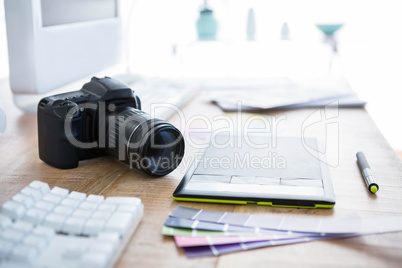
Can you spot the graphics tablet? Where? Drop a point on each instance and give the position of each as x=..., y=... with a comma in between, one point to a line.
x=285, y=171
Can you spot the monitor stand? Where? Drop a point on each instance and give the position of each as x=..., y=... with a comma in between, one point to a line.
x=28, y=103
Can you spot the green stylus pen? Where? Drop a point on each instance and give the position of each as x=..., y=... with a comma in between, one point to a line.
x=367, y=173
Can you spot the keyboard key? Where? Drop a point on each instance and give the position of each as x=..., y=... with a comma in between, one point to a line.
x=23, y=253
x=61, y=192
x=73, y=225
x=110, y=237
x=71, y=202
x=94, y=260
x=102, y=248
x=63, y=210
x=44, y=206
x=5, y=248
x=45, y=232
x=35, y=241
x=13, y=209
x=35, y=194
x=119, y=222
x=88, y=205
x=34, y=215
x=77, y=196
x=123, y=200
x=74, y=251
x=5, y=222
x=55, y=221
x=101, y=214
x=107, y=207
x=23, y=200
x=11, y=235
x=127, y=208
x=41, y=186
x=82, y=213
x=22, y=226
x=51, y=198
x=95, y=198
x=93, y=226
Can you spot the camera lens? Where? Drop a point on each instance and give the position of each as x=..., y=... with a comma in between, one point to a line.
x=148, y=144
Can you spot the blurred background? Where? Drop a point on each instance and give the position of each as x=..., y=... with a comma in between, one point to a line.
x=160, y=40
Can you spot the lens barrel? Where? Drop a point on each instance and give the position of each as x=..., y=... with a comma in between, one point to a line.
x=150, y=145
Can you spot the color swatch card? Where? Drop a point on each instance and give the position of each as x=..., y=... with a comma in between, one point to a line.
x=185, y=241
x=303, y=225
x=206, y=233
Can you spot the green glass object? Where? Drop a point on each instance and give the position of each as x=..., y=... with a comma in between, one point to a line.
x=329, y=29
x=207, y=25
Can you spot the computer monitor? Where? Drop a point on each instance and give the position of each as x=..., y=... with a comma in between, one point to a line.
x=56, y=42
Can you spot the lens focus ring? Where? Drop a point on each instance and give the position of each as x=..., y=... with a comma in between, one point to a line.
x=151, y=145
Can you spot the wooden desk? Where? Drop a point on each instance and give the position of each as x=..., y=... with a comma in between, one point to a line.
x=20, y=164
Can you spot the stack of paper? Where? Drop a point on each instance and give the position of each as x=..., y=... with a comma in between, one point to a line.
x=208, y=233
x=284, y=94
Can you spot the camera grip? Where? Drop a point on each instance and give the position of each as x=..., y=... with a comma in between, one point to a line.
x=54, y=147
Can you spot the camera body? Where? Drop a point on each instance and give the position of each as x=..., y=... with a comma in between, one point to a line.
x=58, y=111
x=104, y=117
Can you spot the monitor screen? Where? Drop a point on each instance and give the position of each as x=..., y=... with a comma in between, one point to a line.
x=55, y=12
x=52, y=43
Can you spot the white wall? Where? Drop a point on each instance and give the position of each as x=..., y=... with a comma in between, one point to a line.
x=370, y=42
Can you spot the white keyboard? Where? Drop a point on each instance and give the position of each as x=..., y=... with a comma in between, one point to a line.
x=165, y=96
x=40, y=227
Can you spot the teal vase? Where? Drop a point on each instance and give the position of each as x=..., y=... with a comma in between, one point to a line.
x=207, y=25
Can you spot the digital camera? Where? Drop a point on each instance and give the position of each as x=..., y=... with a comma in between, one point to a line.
x=105, y=117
